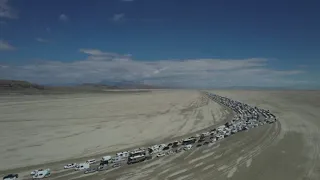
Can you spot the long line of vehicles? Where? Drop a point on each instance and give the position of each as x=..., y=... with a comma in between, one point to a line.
x=246, y=117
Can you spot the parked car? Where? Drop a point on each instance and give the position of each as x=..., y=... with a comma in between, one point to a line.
x=69, y=166
x=11, y=177
x=42, y=174
x=116, y=165
x=35, y=172
x=187, y=147
x=90, y=170
x=102, y=167
x=179, y=150
x=82, y=166
x=91, y=161
x=161, y=154
x=170, y=152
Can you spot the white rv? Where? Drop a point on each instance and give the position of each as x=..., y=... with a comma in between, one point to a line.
x=82, y=166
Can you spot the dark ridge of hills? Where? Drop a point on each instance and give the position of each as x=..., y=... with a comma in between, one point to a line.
x=17, y=85
x=28, y=88
x=123, y=84
x=97, y=86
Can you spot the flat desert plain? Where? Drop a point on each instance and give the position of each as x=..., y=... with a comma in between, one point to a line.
x=64, y=128
x=38, y=129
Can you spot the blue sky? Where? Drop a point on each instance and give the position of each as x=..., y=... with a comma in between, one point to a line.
x=187, y=43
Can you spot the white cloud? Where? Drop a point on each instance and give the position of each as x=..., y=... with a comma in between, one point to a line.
x=42, y=40
x=202, y=73
x=5, y=46
x=118, y=17
x=63, y=18
x=6, y=11
x=95, y=54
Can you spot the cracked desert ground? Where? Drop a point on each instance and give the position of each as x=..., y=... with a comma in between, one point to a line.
x=52, y=130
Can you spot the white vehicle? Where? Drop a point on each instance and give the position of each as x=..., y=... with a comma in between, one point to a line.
x=220, y=128
x=161, y=154
x=219, y=137
x=42, y=174
x=69, y=166
x=106, y=158
x=233, y=131
x=123, y=154
x=187, y=147
x=91, y=161
x=117, y=159
x=170, y=152
x=82, y=166
x=35, y=172
x=205, y=134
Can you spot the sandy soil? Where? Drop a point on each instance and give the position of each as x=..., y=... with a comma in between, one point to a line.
x=38, y=129
x=286, y=150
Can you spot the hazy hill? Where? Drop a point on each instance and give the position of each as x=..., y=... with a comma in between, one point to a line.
x=25, y=87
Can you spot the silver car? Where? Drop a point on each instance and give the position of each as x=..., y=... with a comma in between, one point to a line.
x=90, y=170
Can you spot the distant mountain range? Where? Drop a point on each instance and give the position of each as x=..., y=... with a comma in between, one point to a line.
x=25, y=86
x=17, y=85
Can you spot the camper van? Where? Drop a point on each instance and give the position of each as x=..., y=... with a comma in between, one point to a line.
x=105, y=160
x=82, y=166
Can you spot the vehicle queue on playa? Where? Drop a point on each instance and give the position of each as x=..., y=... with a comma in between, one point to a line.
x=246, y=117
